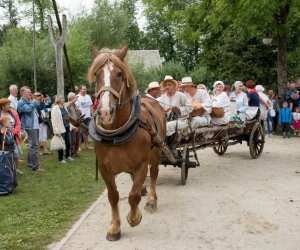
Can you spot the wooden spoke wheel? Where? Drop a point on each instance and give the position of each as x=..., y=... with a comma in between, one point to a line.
x=220, y=150
x=184, y=165
x=256, y=141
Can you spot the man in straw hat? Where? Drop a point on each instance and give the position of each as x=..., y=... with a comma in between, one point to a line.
x=174, y=101
x=153, y=90
x=200, y=100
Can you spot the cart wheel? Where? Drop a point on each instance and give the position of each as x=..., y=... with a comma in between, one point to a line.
x=220, y=150
x=256, y=141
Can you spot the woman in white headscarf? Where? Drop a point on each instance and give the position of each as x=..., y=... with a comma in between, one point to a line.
x=239, y=97
x=221, y=100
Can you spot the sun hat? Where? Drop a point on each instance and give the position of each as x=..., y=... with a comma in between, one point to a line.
x=152, y=85
x=219, y=82
x=186, y=81
x=237, y=83
x=169, y=79
x=259, y=88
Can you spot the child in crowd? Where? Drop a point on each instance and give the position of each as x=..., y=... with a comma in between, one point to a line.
x=6, y=135
x=296, y=121
x=285, y=119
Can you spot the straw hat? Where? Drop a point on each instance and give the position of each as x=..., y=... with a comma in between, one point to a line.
x=169, y=79
x=187, y=81
x=152, y=85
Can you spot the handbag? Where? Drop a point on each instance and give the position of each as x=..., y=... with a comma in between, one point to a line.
x=57, y=143
x=217, y=112
x=272, y=113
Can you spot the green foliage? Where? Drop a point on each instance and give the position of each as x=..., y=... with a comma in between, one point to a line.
x=45, y=205
x=79, y=46
x=16, y=61
x=144, y=77
x=108, y=24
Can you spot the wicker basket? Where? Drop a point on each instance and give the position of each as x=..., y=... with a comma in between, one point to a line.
x=197, y=112
x=217, y=112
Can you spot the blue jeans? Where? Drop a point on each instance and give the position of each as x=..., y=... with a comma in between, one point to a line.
x=33, y=150
x=66, y=137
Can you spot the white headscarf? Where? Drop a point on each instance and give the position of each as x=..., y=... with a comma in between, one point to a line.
x=219, y=82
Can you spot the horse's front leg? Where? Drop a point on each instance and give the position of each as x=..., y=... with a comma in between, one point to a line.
x=151, y=204
x=114, y=230
x=134, y=216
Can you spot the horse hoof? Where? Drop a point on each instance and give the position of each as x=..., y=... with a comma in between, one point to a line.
x=134, y=223
x=151, y=206
x=113, y=237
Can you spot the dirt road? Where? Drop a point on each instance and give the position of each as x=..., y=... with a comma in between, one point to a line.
x=229, y=202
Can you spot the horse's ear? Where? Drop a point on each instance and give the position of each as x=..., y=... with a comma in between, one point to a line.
x=123, y=52
x=95, y=51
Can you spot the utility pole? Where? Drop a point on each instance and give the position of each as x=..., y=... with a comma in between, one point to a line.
x=33, y=48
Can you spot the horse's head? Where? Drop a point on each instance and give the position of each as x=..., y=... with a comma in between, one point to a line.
x=115, y=84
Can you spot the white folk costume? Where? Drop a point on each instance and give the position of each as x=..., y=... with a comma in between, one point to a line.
x=263, y=102
x=221, y=100
x=201, y=97
x=184, y=104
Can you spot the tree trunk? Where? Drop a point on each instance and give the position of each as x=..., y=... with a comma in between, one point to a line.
x=282, y=65
x=58, y=45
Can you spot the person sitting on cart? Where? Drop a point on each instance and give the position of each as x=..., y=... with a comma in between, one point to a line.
x=200, y=101
x=220, y=100
x=238, y=99
x=253, y=110
x=176, y=104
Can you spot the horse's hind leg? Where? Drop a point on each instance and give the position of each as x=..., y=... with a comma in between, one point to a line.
x=134, y=216
x=151, y=204
x=114, y=230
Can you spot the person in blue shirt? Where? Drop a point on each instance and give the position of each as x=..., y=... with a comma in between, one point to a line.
x=285, y=119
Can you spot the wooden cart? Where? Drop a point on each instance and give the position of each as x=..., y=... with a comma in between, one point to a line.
x=187, y=141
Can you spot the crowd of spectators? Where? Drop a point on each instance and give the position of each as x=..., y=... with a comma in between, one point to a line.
x=34, y=117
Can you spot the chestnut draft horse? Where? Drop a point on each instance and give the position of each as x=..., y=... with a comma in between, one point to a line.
x=124, y=129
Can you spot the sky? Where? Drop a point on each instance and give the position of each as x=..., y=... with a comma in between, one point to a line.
x=75, y=6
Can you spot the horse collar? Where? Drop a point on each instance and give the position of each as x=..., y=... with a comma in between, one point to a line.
x=120, y=135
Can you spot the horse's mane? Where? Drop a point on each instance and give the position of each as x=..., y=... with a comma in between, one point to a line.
x=105, y=56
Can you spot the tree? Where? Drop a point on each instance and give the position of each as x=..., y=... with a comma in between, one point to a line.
x=133, y=36
x=276, y=16
x=10, y=12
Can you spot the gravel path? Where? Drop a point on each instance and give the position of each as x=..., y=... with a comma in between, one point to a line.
x=229, y=202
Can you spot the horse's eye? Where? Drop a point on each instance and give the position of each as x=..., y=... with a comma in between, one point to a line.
x=119, y=74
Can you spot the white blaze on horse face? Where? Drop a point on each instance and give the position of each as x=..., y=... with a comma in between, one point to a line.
x=105, y=114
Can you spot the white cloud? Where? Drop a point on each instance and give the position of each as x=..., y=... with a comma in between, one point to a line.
x=75, y=6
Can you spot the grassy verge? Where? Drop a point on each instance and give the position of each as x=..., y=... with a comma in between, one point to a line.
x=46, y=204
